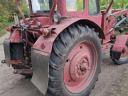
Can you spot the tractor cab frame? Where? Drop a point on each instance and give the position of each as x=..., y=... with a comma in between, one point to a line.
x=65, y=8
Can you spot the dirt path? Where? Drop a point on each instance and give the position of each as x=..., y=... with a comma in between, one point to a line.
x=113, y=81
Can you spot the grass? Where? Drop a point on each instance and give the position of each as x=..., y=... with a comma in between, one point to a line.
x=2, y=32
x=3, y=26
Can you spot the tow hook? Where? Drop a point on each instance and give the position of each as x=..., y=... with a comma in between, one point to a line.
x=3, y=61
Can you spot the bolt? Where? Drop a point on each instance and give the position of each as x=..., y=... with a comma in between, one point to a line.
x=81, y=47
x=42, y=46
x=82, y=67
x=15, y=71
x=67, y=60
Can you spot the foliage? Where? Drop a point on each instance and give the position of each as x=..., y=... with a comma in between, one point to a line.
x=80, y=5
x=24, y=7
x=118, y=4
x=7, y=9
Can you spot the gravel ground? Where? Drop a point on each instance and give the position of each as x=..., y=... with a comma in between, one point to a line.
x=113, y=80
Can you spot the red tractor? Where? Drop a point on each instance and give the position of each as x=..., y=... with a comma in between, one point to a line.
x=61, y=44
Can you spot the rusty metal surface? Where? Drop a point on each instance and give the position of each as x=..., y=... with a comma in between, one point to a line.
x=14, y=62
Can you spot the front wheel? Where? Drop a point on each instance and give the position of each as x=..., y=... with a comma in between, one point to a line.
x=75, y=61
x=119, y=58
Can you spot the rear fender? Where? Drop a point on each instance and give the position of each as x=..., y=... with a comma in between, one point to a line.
x=45, y=44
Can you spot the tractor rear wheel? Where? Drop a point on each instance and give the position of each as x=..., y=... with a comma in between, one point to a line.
x=74, y=63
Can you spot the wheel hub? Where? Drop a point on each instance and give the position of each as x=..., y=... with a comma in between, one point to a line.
x=79, y=66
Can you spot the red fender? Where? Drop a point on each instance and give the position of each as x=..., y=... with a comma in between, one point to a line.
x=45, y=44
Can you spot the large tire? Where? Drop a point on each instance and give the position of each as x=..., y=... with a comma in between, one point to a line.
x=117, y=58
x=62, y=47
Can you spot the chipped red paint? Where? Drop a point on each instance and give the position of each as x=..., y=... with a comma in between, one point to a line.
x=15, y=62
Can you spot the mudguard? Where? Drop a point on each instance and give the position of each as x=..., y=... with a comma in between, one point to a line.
x=40, y=70
x=58, y=28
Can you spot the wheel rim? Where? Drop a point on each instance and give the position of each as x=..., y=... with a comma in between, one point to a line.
x=80, y=67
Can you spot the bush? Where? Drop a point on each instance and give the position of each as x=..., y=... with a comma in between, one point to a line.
x=118, y=4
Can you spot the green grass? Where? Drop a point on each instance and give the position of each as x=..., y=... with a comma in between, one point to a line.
x=2, y=32
x=3, y=26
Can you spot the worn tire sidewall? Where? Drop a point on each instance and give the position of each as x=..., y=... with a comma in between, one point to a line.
x=92, y=37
